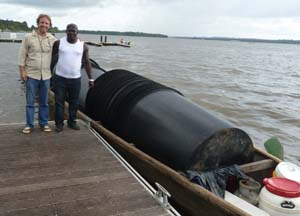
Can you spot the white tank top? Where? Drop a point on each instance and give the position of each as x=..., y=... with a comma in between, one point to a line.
x=69, y=58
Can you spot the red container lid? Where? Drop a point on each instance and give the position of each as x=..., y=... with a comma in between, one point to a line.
x=282, y=187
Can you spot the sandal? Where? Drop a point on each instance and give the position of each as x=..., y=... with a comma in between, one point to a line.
x=46, y=128
x=27, y=130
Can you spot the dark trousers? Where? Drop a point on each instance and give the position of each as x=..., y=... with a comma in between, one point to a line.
x=69, y=89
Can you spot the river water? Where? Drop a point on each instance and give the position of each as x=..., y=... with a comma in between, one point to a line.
x=256, y=86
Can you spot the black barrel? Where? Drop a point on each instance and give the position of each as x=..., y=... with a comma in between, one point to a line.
x=164, y=124
x=184, y=135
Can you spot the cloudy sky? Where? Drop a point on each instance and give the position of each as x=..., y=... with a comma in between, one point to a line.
x=270, y=19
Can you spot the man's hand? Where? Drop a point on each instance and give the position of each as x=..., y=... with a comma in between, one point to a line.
x=91, y=83
x=23, y=74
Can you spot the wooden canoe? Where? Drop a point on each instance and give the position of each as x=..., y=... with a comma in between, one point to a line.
x=187, y=197
x=190, y=198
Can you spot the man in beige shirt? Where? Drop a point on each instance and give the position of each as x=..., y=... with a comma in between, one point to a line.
x=34, y=65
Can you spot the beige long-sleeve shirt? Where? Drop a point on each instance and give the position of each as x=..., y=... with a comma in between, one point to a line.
x=35, y=55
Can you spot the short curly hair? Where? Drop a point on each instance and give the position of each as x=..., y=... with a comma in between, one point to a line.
x=41, y=16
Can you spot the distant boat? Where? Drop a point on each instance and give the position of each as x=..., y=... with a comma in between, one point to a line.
x=93, y=43
x=116, y=44
x=108, y=44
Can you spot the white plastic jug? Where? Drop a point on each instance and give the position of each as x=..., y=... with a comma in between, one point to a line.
x=288, y=170
x=280, y=197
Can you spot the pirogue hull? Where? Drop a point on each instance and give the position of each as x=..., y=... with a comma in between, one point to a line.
x=189, y=198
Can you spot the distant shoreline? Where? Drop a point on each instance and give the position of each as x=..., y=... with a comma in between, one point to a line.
x=111, y=33
x=249, y=40
x=16, y=27
x=135, y=34
x=140, y=34
x=22, y=27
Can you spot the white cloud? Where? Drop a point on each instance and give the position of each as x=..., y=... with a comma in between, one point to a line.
x=53, y=4
x=231, y=18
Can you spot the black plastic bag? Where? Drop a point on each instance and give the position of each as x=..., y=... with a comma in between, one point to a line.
x=215, y=180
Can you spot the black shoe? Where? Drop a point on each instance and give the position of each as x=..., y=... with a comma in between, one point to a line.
x=58, y=129
x=74, y=126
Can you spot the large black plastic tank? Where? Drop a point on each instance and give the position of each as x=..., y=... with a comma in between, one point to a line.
x=164, y=124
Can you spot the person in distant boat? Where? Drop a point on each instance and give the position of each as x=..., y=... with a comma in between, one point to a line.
x=122, y=41
x=34, y=66
x=67, y=79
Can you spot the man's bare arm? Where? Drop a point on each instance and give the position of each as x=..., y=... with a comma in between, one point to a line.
x=87, y=65
x=54, y=54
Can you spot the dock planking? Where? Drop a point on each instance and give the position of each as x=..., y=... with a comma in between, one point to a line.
x=68, y=173
x=10, y=40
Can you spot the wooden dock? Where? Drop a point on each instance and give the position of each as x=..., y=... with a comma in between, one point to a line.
x=107, y=44
x=68, y=173
x=10, y=40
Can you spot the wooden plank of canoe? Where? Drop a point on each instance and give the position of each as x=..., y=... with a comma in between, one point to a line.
x=258, y=165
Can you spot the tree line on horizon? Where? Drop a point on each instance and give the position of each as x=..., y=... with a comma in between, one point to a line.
x=249, y=40
x=15, y=26
x=256, y=40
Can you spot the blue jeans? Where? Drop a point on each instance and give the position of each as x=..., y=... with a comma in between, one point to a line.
x=69, y=89
x=32, y=85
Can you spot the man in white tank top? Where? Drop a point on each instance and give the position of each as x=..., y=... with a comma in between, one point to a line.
x=67, y=80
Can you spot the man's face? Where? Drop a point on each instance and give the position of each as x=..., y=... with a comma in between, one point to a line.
x=72, y=32
x=44, y=25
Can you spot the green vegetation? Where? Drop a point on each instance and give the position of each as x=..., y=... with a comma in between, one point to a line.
x=137, y=34
x=244, y=40
x=8, y=25
x=14, y=26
